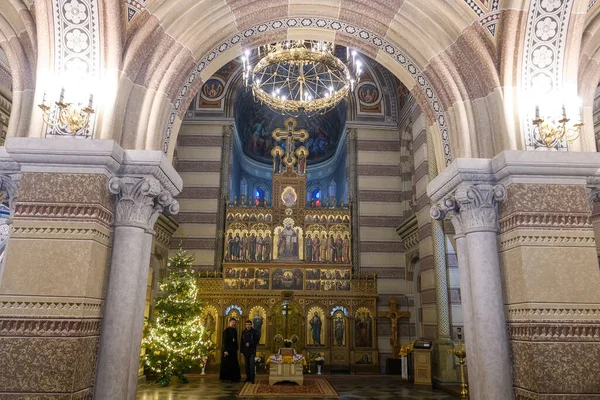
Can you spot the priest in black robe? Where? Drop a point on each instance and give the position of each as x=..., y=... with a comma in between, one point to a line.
x=230, y=367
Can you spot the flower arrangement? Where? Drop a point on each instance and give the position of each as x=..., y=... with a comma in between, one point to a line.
x=287, y=343
x=319, y=360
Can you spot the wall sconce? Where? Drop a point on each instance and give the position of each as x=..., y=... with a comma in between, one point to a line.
x=67, y=118
x=549, y=133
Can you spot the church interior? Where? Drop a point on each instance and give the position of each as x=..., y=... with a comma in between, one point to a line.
x=402, y=196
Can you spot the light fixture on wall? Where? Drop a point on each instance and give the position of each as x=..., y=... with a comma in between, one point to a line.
x=67, y=118
x=301, y=76
x=552, y=130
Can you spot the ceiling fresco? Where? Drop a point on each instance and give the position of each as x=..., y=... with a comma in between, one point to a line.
x=254, y=123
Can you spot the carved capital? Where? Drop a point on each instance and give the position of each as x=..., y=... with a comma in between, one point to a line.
x=9, y=190
x=593, y=184
x=227, y=130
x=352, y=133
x=473, y=207
x=139, y=201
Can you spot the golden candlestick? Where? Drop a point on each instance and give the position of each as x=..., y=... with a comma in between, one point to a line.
x=461, y=354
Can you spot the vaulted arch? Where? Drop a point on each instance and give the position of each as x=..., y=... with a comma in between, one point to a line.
x=439, y=51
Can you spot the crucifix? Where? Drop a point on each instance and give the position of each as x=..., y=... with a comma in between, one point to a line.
x=394, y=314
x=290, y=136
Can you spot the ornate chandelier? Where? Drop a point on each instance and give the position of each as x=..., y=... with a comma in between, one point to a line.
x=302, y=76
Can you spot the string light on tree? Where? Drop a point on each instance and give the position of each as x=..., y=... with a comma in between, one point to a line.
x=177, y=341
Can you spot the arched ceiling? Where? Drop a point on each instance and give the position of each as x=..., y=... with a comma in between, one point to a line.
x=254, y=123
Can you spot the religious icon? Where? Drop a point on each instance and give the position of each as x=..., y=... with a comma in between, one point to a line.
x=267, y=248
x=338, y=248
x=277, y=154
x=316, y=249
x=287, y=279
x=288, y=241
x=288, y=196
x=315, y=327
x=252, y=248
x=346, y=249
x=364, y=331
x=243, y=247
x=229, y=248
x=339, y=328
x=259, y=248
x=257, y=324
x=302, y=154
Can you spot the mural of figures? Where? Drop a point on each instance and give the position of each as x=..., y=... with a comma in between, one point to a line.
x=316, y=326
x=246, y=278
x=242, y=245
x=287, y=279
x=363, y=328
x=339, y=328
x=255, y=122
x=258, y=316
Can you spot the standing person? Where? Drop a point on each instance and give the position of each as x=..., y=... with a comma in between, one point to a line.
x=230, y=367
x=250, y=339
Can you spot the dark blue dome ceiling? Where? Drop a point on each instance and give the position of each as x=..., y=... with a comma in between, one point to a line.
x=255, y=122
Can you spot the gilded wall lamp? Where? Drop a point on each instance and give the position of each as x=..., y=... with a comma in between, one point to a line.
x=67, y=118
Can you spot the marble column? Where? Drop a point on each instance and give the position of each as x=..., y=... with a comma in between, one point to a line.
x=352, y=151
x=138, y=202
x=226, y=151
x=54, y=276
x=467, y=312
x=475, y=214
x=9, y=180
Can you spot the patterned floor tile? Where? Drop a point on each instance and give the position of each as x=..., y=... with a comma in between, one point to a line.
x=350, y=387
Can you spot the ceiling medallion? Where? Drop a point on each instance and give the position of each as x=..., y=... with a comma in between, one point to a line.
x=300, y=76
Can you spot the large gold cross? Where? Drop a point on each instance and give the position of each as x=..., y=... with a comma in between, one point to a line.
x=290, y=136
x=394, y=314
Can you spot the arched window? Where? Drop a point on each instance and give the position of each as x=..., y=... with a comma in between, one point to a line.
x=243, y=187
x=259, y=196
x=316, y=196
x=332, y=190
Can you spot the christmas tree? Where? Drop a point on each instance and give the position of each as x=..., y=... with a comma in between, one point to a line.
x=176, y=340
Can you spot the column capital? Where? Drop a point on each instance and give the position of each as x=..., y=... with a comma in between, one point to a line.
x=593, y=185
x=139, y=201
x=473, y=207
